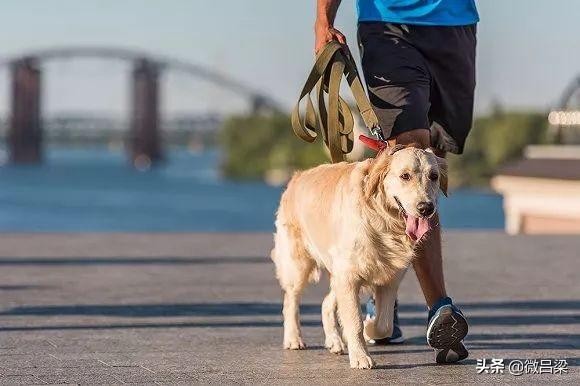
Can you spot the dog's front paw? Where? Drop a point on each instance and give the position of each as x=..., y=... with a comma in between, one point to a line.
x=294, y=343
x=361, y=360
x=334, y=344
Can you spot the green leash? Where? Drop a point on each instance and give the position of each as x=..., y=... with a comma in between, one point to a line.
x=335, y=122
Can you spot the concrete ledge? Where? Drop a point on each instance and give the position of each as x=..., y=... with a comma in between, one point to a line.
x=536, y=205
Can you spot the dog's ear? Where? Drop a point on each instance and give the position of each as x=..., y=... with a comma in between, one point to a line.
x=376, y=174
x=396, y=148
x=443, y=175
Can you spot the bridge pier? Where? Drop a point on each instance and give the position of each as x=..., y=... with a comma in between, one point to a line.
x=145, y=136
x=25, y=132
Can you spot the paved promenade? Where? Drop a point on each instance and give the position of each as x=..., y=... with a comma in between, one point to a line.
x=195, y=308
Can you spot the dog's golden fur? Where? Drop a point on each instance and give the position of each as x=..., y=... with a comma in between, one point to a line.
x=344, y=218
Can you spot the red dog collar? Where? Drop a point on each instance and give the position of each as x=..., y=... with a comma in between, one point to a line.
x=373, y=144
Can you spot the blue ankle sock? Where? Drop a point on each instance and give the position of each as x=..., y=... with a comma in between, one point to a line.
x=438, y=304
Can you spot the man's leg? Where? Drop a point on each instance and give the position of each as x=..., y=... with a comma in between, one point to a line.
x=428, y=264
x=400, y=84
x=446, y=325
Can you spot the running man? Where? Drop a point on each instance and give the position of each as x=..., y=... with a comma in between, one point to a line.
x=418, y=59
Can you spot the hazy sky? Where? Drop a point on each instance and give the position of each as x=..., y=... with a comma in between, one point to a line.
x=528, y=51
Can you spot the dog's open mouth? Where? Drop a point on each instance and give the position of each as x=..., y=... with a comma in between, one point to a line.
x=415, y=227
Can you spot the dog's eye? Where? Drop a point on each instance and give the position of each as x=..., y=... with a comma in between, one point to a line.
x=405, y=176
x=433, y=176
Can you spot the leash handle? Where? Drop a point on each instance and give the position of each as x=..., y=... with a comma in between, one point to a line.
x=333, y=121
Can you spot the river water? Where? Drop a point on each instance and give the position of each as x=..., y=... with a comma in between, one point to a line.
x=83, y=190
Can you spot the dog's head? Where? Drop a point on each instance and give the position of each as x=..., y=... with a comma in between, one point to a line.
x=408, y=178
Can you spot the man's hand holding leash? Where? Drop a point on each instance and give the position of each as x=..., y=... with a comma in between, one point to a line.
x=324, y=30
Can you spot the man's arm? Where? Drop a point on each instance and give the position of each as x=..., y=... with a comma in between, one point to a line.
x=324, y=30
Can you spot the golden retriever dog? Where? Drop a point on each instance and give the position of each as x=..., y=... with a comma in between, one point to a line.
x=361, y=222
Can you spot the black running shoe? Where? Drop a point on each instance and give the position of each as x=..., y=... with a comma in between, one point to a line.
x=445, y=332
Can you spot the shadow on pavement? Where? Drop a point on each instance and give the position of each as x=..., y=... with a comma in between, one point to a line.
x=22, y=287
x=261, y=311
x=67, y=261
x=466, y=362
x=516, y=341
x=274, y=308
x=523, y=341
x=266, y=308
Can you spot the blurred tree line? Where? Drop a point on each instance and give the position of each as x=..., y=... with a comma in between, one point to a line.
x=495, y=140
x=256, y=145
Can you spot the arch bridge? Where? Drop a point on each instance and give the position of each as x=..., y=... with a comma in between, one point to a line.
x=25, y=126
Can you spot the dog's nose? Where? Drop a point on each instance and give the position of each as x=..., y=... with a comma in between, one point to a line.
x=425, y=208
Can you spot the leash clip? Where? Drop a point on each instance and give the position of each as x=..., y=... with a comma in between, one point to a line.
x=374, y=144
x=377, y=132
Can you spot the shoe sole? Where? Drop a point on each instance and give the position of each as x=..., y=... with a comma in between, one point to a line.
x=387, y=341
x=398, y=340
x=452, y=354
x=447, y=329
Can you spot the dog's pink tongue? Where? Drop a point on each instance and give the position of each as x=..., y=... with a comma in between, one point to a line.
x=416, y=227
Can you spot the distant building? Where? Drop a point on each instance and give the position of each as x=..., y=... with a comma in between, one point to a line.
x=542, y=191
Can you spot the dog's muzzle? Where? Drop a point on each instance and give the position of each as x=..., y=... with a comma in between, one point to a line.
x=415, y=227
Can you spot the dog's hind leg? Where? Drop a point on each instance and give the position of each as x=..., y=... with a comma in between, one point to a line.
x=294, y=268
x=333, y=341
x=291, y=311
